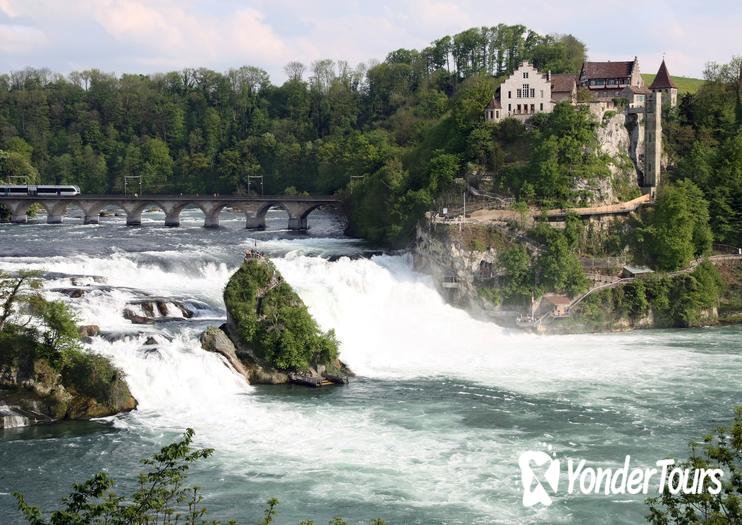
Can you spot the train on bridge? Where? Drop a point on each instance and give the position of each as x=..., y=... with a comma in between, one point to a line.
x=17, y=190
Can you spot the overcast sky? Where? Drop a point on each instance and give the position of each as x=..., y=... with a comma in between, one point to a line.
x=162, y=35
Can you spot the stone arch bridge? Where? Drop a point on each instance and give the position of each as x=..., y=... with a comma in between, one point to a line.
x=254, y=207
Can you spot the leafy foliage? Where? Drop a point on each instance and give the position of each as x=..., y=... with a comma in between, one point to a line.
x=677, y=230
x=722, y=449
x=32, y=328
x=199, y=131
x=162, y=496
x=516, y=266
x=704, y=138
x=676, y=301
x=272, y=320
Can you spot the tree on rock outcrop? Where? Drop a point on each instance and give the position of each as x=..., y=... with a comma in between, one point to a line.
x=271, y=320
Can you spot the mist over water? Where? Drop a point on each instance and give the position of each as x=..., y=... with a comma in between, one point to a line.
x=430, y=431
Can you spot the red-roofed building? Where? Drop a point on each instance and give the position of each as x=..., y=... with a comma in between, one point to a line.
x=606, y=80
x=663, y=84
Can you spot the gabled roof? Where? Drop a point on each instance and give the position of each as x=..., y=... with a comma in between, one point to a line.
x=562, y=82
x=494, y=104
x=607, y=69
x=662, y=80
x=637, y=270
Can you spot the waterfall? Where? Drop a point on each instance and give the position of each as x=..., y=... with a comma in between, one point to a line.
x=12, y=419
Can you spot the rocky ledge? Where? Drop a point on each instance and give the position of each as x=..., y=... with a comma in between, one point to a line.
x=32, y=391
x=150, y=310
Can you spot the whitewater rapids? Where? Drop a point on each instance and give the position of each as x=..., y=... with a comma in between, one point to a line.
x=443, y=404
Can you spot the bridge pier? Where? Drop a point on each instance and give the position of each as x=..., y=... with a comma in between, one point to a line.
x=255, y=222
x=52, y=218
x=17, y=211
x=298, y=223
x=134, y=218
x=211, y=213
x=211, y=221
x=91, y=219
x=298, y=213
x=172, y=219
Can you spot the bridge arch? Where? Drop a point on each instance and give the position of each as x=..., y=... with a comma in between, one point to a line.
x=172, y=217
x=95, y=210
x=297, y=211
x=255, y=213
x=211, y=211
x=19, y=209
x=255, y=208
x=134, y=212
x=59, y=209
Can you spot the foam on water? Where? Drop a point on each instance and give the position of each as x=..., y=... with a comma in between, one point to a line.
x=393, y=325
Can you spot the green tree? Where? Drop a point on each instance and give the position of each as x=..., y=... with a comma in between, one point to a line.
x=157, y=165
x=516, y=267
x=162, y=494
x=719, y=450
x=559, y=269
x=60, y=334
x=678, y=230
x=16, y=292
x=16, y=167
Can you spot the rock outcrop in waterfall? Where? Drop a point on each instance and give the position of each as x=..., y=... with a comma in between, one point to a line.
x=270, y=336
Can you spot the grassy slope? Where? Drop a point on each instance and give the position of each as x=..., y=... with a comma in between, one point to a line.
x=685, y=84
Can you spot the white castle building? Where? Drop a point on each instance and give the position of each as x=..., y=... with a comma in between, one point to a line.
x=527, y=91
x=524, y=93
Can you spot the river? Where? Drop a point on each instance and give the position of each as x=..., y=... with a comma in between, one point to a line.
x=429, y=432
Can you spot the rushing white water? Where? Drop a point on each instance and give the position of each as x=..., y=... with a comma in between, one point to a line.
x=11, y=419
x=444, y=403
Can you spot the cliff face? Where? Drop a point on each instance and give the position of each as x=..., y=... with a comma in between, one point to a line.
x=622, y=139
x=459, y=261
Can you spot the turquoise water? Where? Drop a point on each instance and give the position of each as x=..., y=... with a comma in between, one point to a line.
x=430, y=431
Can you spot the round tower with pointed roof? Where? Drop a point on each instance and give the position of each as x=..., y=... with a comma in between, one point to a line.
x=663, y=84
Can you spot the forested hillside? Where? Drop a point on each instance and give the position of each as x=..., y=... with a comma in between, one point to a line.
x=200, y=131
x=401, y=129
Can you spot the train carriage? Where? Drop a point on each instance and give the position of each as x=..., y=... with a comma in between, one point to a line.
x=21, y=190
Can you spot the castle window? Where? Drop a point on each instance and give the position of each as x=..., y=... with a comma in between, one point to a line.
x=519, y=93
x=525, y=90
x=510, y=94
x=509, y=108
x=525, y=74
x=533, y=108
x=518, y=110
x=497, y=114
x=542, y=106
x=533, y=93
x=542, y=93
